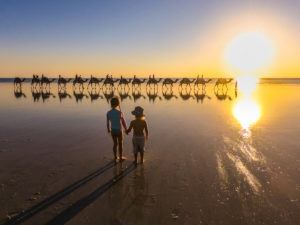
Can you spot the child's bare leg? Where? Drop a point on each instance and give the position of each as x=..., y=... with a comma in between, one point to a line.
x=120, y=143
x=135, y=158
x=142, y=156
x=115, y=146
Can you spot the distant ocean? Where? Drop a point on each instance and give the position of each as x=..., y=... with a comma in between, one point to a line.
x=261, y=81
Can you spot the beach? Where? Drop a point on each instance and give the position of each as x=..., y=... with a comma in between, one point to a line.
x=203, y=163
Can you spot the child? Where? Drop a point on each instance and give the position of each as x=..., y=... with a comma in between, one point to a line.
x=140, y=133
x=115, y=121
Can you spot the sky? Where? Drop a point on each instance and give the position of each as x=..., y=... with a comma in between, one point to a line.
x=163, y=37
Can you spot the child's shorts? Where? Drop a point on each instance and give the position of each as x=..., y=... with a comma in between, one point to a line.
x=138, y=144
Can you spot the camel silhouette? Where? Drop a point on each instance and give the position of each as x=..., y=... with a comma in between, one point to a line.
x=36, y=94
x=222, y=82
x=46, y=81
x=186, y=81
x=94, y=81
x=109, y=81
x=152, y=80
x=137, y=82
x=169, y=81
x=124, y=94
x=78, y=80
x=46, y=94
x=124, y=81
x=35, y=81
x=201, y=81
x=18, y=81
x=153, y=95
x=62, y=82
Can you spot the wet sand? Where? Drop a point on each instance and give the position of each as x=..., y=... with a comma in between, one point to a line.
x=201, y=167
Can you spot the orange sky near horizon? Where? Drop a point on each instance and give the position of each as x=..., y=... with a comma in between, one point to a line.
x=196, y=53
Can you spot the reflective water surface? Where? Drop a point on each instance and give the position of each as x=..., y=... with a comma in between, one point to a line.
x=214, y=156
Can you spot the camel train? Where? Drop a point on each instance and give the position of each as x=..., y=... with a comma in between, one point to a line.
x=108, y=81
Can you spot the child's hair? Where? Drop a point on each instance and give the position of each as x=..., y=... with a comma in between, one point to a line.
x=114, y=102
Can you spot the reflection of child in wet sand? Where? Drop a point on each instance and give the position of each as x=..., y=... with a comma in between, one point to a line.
x=115, y=121
x=140, y=133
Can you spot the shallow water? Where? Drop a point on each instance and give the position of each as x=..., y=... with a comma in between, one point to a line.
x=213, y=156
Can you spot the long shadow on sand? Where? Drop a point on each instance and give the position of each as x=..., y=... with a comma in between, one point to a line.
x=56, y=197
x=81, y=204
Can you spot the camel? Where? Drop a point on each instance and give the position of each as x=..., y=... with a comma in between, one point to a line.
x=186, y=81
x=152, y=80
x=201, y=81
x=62, y=94
x=124, y=81
x=124, y=95
x=95, y=81
x=201, y=95
x=169, y=81
x=35, y=80
x=78, y=80
x=222, y=82
x=109, y=81
x=46, y=81
x=62, y=82
x=18, y=81
x=137, y=81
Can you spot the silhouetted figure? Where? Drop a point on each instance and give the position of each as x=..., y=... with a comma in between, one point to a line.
x=169, y=81
x=136, y=82
x=185, y=94
x=201, y=95
x=124, y=81
x=62, y=94
x=221, y=94
x=78, y=81
x=79, y=95
x=18, y=81
x=36, y=93
x=124, y=94
x=109, y=81
x=136, y=94
x=18, y=92
x=46, y=81
x=201, y=81
x=168, y=94
x=153, y=81
x=95, y=82
x=95, y=94
x=222, y=82
x=62, y=82
x=35, y=81
x=153, y=94
x=46, y=94
x=186, y=82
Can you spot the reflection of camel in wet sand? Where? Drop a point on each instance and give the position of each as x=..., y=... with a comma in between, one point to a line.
x=109, y=81
x=46, y=81
x=186, y=94
x=35, y=81
x=46, y=94
x=169, y=81
x=222, y=82
x=62, y=94
x=62, y=82
x=137, y=81
x=201, y=81
x=108, y=94
x=152, y=95
x=79, y=95
x=95, y=94
x=18, y=81
x=36, y=94
x=222, y=95
x=168, y=94
x=124, y=95
x=124, y=81
x=186, y=81
x=94, y=81
x=201, y=95
x=136, y=94
x=79, y=81
x=18, y=92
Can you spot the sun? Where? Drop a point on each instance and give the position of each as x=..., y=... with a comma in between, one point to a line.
x=249, y=52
